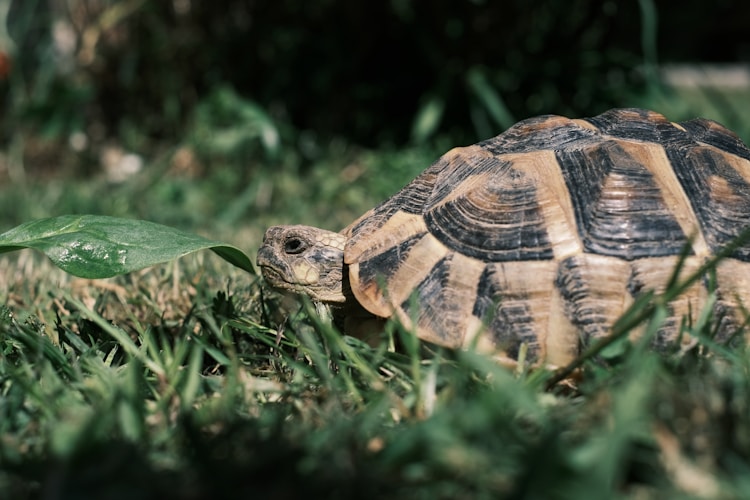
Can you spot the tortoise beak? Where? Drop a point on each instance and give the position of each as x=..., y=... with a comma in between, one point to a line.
x=269, y=263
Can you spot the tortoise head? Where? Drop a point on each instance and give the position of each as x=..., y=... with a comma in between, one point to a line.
x=304, y=260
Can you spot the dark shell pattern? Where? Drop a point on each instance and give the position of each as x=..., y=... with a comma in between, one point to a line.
x=545, y=234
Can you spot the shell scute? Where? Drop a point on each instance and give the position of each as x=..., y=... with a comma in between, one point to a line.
x=591, y=287
x=507, y=309
x=719, y=191
x=619, y=206
x=539, y=133
x=635, y=124
x=714, y=134
x=493, y=216
x=437, y=302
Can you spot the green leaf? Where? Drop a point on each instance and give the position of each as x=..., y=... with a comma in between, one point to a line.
x=94, y=246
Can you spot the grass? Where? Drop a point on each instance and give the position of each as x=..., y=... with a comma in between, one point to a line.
x=166, y=383
x=189, y=381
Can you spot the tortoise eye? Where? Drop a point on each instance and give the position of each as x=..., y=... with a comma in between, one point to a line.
x=294, y=246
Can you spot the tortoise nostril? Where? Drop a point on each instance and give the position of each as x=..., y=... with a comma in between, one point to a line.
x=294, y=246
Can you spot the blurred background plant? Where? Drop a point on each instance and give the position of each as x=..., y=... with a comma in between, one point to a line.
x=271, y=102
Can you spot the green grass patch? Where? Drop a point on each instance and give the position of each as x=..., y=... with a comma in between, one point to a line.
x=174, y=382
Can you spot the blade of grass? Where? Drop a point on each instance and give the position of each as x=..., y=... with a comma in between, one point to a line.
x=119, y=335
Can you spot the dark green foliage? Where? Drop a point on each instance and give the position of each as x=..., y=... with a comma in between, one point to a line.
x=371, y=72
x=323, y=66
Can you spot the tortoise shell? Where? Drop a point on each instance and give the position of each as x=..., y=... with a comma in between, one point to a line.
x=544, y=234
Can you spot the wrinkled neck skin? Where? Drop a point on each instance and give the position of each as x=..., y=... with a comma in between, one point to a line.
x=347, y=316
x=304, y=260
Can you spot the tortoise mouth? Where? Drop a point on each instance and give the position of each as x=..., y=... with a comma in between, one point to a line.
x=272, y=275
x=271, y=271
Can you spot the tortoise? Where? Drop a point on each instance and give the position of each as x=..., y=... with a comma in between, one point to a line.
x=541, y=236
